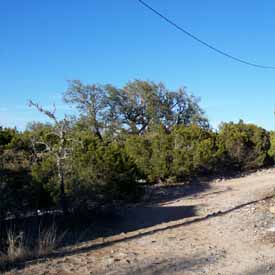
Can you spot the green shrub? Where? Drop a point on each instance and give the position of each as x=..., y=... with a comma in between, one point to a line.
x=16, y=193
x=186, y=151
x=162, y=155
x=194, y=151
x=243, y=146
x=139, y=148
x=101, y=172
x=44, y=178
x=271, y=151
x=152, y=153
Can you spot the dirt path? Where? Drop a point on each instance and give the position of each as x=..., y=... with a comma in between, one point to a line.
x=222, y=230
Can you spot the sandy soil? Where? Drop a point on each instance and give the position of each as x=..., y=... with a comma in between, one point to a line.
x=225, y=228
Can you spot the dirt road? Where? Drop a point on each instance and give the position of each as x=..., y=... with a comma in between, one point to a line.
x=226, y=228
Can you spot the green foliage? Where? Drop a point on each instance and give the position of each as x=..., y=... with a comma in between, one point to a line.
x=243, y=146
x=16, y=193
x=161, y=158
x=152, y=154
x=101, y=172
x=186, y=151
x=44, y=178
x=194, y=151
x=271, y=151
x=136, y=108
x=6, y=136
x=123, y=138
x=139, y=148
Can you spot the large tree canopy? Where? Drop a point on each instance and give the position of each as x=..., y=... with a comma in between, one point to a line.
x=135, y=108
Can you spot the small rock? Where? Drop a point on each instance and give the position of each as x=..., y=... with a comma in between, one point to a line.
x=272, y=209
x=272, y=229
x=110, y=261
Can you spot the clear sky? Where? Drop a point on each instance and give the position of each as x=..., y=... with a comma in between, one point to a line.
x=45, y=43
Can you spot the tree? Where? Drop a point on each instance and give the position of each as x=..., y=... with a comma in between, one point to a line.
x=142, y=105
x=58, y=144
x=90, y=100
x=136, y=108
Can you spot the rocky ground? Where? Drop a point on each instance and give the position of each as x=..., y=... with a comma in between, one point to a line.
x=223, y=227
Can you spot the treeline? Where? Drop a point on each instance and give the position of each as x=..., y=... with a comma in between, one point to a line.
x=121, y=140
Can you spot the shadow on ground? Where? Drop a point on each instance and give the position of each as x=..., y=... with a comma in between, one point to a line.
x=141, y=217
x=161, y=193
x=132, y=219
x=137, y=234
x=137, y=218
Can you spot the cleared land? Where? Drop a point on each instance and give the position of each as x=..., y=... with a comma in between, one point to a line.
x=225, y=228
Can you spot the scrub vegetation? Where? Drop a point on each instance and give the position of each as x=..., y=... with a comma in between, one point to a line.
x=121, y=140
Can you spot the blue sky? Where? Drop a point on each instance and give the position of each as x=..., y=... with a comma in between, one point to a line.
x=45, y=43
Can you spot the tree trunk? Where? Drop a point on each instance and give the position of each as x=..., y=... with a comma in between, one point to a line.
x=62, y=196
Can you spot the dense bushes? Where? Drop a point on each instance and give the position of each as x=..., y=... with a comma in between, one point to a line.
x=16, y=192
x=101, y=172
x=244, y=146
x=185, y=151
x=271, y=151
x=188, y=151
x=152, y=154
x=194, y=151
x=122, y=139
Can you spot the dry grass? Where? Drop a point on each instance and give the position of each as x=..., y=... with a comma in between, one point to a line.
x=48, y=240
x=17, y=246
x=21, y=246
